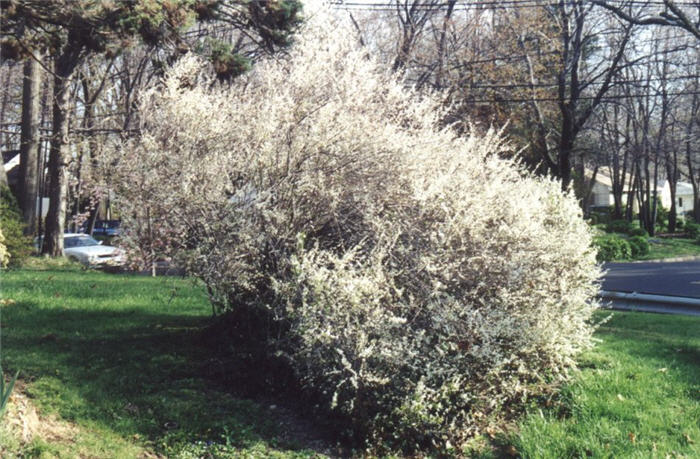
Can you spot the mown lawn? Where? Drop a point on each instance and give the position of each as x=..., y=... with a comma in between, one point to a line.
x=637, y=395
x=671, y=248
x=119, y=359
x=119, y=362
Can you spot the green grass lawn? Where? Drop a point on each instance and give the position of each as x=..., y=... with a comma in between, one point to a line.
x=121, y=361
x=637, y=395
x=671, y=248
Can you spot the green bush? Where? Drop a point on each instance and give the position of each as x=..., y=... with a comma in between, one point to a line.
x=692, y=230
x=612, y=248
x=638, y=232
x=619, y=226
x=18, y=245
x=661, y=214
x=639, y=245
x=600, y=215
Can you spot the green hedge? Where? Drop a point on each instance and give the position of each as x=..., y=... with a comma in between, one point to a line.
x=612, y=248
x=619, y=226
x=18, y=245
x=639, y=245
x=638, y=232
x=692, y=230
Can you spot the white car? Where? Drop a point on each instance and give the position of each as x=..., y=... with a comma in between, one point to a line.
x=88, y=251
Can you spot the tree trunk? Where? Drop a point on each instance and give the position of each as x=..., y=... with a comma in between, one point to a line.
x=59, y=152
x=631, y=196
x=3, y=108
x=28, y=167
x=655, y=199
x=3, y=174
x=566, y=148
x=88, y=125
x=672, y=214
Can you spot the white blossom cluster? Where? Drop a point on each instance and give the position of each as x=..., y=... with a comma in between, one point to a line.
x=417, y=281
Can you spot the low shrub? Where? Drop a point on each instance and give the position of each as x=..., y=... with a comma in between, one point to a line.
x=12, y=226
x=619, y=226
x=636, y=231
x=600, y=215
x=4, y=254
x=413, y=280
x=692, y=230
x=612, y=248
x=661, y=214
x=639, y=245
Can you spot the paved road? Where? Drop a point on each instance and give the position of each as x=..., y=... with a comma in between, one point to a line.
x=674, y=279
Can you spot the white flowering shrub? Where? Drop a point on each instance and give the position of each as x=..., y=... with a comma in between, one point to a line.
x=4, y=253
x=414, y=281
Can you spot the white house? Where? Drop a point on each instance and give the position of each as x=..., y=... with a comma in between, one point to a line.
x=684, y=196
x=601, y=193
x=12, y=171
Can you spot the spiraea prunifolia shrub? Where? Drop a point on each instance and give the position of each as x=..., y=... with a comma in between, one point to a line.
x=415, y=281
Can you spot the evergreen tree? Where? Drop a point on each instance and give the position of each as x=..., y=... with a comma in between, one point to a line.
x=72, y=30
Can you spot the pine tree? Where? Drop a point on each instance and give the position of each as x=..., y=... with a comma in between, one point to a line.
x=71, y=31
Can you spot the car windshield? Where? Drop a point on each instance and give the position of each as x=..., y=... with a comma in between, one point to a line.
x=79, y=241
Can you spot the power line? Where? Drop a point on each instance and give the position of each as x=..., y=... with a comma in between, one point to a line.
x=503, y=3
x=485, y=5
x=554, y=85
x=557, y=99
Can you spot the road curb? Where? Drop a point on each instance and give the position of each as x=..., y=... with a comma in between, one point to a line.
x=664, y=260
x=633, y=301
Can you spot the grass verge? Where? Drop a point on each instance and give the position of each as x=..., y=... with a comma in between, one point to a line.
x=671, y=248
x=115, y=363
x=637, y=395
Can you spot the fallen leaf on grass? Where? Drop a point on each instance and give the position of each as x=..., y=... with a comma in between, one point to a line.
x=662, y=370
x=511, y=451
x=491, y=432
x=633, y=437
x=688, y=439
x=620, y=397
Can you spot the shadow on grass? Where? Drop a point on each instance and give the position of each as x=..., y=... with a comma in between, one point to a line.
x=97, y=351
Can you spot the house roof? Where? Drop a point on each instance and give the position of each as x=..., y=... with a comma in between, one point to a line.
x=684, y=188
x=10, y=160
x=604, y=179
